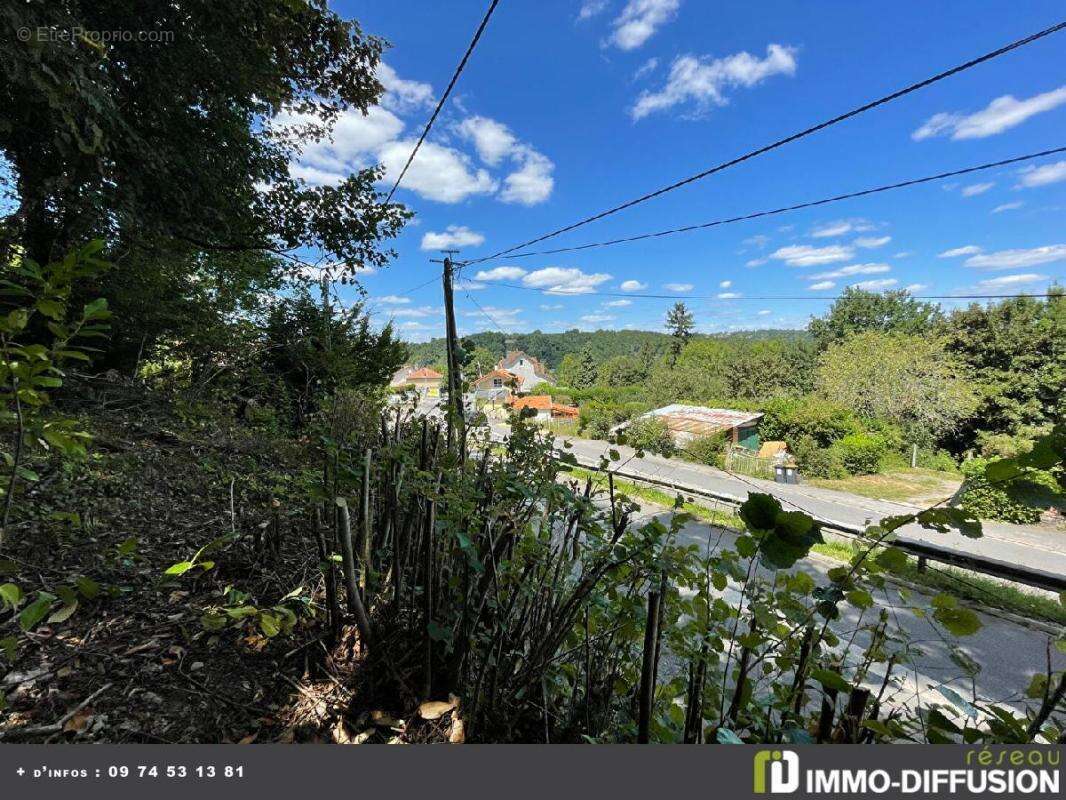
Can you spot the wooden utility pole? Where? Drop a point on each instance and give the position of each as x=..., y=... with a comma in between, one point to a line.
x=456, y=418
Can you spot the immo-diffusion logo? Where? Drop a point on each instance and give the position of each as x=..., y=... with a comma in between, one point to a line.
x=783, y=769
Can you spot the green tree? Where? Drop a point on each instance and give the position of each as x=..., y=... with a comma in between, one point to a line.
x=620, y=371
x=182, y=139
x=679, y=321
x=1016, y=349
x=584, y=375
x=905, y=379
x=858, y=310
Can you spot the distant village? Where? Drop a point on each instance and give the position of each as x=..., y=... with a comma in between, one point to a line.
x=520, y=381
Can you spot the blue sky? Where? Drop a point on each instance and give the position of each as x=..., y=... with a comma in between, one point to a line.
x=567, y=108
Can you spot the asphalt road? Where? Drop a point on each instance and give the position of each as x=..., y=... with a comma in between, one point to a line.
x=1037, y=549
x=1009, y=653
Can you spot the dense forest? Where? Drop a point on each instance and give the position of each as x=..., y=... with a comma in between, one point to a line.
x=218, y=526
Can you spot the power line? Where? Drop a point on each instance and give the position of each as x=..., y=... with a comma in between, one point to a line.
x=794, y=137
x=783, y=210
x=486, y=314
x=556, y=293
x=444, y=97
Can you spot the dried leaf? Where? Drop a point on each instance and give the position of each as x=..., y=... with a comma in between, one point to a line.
x=435, y=709
x=249, y=738
x=457, y=734
x=79, y=721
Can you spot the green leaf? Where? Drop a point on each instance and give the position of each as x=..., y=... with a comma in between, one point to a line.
x=9, y=646
x=64, y=613
x=180, y=568
x=760, y=511
x=831, y=680
x=128, y=547
x=268, y=623
x=438, y=633
x=860, y=598
x=11, y=595
x=213, y=621
x=87, y=586
x=36, y=611
x=960, y=621
x=891, y=559
x=1037, y=687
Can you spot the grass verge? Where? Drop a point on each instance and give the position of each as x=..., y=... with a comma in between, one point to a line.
x=912, y=485
x=964, y=585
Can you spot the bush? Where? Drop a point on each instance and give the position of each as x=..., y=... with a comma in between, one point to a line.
x=815, y=461
x=652, y=435
x=788, y=419
x=941, y=460
x=709, y=450
x=861, y=453
x=596, y=419
x=994, y=502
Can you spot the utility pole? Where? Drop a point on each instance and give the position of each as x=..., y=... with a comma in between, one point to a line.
x=456, y=418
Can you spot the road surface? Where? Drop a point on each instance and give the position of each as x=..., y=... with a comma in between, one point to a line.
x=1039, y=550
x=1009, y=653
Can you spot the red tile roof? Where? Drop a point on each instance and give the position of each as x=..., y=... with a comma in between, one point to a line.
x=541, y=402
x=425, y=374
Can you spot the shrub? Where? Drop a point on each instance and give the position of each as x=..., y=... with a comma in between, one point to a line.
x=861, y=453
x=816, y=461
x=596, y=418
x=940, y=460
x=788, y=419
x=650, y=434
x=709, y=450
x=988, y=501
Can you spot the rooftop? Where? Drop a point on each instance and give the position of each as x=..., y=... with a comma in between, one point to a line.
x=700, y=420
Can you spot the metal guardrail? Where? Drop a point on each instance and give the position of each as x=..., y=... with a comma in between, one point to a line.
x=1016, y=573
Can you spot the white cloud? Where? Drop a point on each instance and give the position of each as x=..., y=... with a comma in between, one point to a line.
x=417, y=313
x=1042, y=176
x=678, y=287
x=500, y=274
x=564, y=280
x=1007, y=207
x=915, y=287
x=803, y=255
x=965, y=250
x=764, y=312
x=454, y=236
x=633, y=286
x=590, y=8
x=854, y=269
x=639, y=20
x=494, y=317
x=755, y=262
x=1013, y=259
x=903, y=254
x=531, y=183
x=438, y=173
x=817, y=287
x=618, y=303
x=551, y=307
x=1011, y=280
x=392, y=299
x=728, y=295
x=468, y=286
x=975, y=189
x=758, y=240
x=840, y=227
x=350, y=147
x=725, y=284
x=705, y=81
x=646, y=68
x=873, y=286
x=1000, y=115
x=493, y=140
x=402, y=95
x=594, y=318
x=870, y=242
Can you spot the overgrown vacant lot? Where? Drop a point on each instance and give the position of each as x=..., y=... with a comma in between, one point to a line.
x=156, y=489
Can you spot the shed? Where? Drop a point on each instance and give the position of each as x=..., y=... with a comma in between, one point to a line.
x=686, y=423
